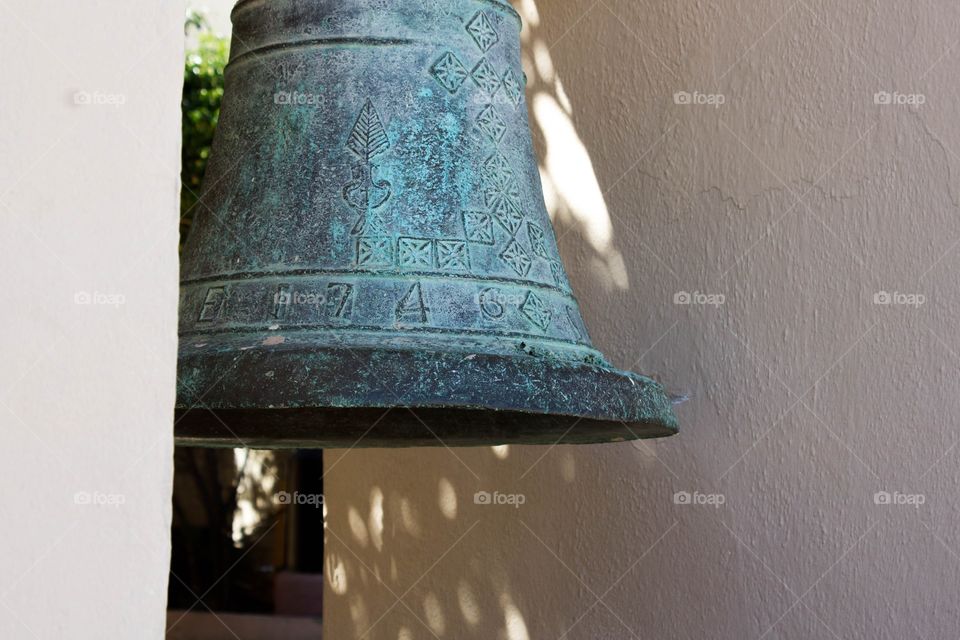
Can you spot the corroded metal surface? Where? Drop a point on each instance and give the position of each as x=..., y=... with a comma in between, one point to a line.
x=375, y=236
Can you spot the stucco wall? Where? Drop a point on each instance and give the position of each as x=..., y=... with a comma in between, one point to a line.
x=89, y=180
x=783, y=212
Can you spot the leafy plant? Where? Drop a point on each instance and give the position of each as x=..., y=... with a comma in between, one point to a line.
x=202, y=95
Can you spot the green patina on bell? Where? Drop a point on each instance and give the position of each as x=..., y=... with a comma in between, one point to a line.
x=373, y=264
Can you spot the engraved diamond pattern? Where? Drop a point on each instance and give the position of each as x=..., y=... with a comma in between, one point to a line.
x=517, y=258
x=559, y=277
x=485, y=77
x=536, y=311
x=453, y=255
x=490, y=122
x=449, y=72
x=413, y=253
x=501, y=193
x=497, y=170
x=493, y=193
x=508, y=215
x=513, y=88
x=374, y=252
x=482, y=31
x=478, y=227
x=536, y=236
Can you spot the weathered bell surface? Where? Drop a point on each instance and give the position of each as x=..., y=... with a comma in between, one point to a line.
x=373, y=264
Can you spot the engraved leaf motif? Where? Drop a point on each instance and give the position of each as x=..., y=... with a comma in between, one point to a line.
x=368, y=137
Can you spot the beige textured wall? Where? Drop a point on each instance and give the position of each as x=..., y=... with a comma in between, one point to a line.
x=89, y=184
x=798, y=200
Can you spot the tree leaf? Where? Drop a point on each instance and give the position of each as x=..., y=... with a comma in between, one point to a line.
x=368, y=137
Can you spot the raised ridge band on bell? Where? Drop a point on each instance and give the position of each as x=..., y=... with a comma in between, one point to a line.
x=282, y=303
x=320, y=25
x=296, y=273
x=244, y=5
x=336, y=41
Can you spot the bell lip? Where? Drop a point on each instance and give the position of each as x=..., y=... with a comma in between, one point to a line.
x=265, y=399
x=243, y=428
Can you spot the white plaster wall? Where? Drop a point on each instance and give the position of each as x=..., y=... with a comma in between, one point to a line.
x=88, y=256
x=798, y=200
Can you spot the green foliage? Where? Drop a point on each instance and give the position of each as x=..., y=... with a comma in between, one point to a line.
x=202, y=94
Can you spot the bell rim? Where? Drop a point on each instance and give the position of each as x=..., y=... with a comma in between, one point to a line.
x=207, y=429
x=276, y=398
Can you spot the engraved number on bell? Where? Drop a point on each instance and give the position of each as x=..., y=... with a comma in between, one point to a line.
x=340, y=299
x=212, y=304
x=412, y=307
x=282, y=300
x=491, y=304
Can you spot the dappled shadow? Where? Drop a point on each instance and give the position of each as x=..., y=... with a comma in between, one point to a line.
x=571, y=188
x=513, y=543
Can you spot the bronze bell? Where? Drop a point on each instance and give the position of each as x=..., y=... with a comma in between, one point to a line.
x=373, y=264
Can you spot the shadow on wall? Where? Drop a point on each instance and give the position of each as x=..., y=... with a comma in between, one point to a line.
x=380, y=550
x=496, y=542
x=508, y=543
x=570, y=185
